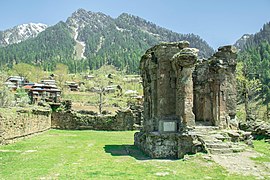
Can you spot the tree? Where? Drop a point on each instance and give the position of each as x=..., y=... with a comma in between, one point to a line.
x=23, y=70
x=61, y=72
x=256, y=67
x=6, y=97
x=247, y=88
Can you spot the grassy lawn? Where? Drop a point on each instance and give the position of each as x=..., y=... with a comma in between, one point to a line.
x=264, y=149
x=60, y=154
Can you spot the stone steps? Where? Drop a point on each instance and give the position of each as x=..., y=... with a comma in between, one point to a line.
x=218, y=145
x=217, y=141
x=223, y=148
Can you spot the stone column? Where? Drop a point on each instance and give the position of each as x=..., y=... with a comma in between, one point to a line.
x=222, y=70
x=183, y=64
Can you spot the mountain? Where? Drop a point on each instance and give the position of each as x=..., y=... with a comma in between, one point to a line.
x=21, y=33
x=87, y=40
x=252, y=40
x=240, y=43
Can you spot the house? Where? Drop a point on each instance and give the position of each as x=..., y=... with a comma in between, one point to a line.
x=48, y=82
x=73, y=86
x=48, y=93
x=10, y=85
x=14, y=82
x=89, y=77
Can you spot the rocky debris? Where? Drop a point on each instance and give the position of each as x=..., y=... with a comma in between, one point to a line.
x=88, y=112
x=259, y=129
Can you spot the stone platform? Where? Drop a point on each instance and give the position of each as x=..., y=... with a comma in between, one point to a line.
x=200, y=139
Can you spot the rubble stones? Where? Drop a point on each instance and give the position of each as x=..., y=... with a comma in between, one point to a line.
x=256, y=128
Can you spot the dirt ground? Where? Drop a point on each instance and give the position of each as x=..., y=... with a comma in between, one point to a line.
x=241, y=163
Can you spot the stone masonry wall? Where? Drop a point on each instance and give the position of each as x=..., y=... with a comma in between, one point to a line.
x=215, y=89
x=123, y=120
x=17, y=123
x=166, y=71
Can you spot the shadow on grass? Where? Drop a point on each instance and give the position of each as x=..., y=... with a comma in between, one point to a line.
x=261, y=137
x=126, y=150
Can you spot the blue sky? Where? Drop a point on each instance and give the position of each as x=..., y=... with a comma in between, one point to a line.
x=219, y=22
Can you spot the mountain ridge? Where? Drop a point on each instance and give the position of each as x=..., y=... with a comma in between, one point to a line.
x=97, y=39
x=250, y=40
x=20, y=33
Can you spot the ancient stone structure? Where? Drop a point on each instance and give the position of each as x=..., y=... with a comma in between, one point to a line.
x=175, y=101
x=121, y=121
x=168, y=86
x=18, y=123
x=215, y=89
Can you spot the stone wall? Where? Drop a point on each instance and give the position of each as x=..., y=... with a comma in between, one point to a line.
x=17, y=123
x=168, y=88
x=123, y=120
x=215, y=89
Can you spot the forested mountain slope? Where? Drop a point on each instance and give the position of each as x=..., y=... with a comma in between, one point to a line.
x=89, y=40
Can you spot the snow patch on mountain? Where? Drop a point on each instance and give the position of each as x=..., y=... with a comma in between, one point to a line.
x=121, y=29
x=240, y=43
x=21, y=33
x=101, y=41
x=81, y=43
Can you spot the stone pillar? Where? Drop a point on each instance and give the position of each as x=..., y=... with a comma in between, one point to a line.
x=183, y=65
x=222, y=71
x=158, y=84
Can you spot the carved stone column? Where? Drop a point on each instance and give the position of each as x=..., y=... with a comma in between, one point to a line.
x=183, y=64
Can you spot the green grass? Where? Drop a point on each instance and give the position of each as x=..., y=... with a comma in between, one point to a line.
x=264, y=149
x=60, y=154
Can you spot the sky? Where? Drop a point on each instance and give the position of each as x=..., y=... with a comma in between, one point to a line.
x=218, y=22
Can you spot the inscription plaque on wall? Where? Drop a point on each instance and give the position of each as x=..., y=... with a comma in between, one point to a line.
x=169, y=126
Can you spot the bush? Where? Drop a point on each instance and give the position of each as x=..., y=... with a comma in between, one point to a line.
x=22, y=98
x=6, y=97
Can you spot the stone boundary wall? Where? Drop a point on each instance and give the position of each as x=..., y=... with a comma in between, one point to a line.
x=17, y=123
x=123, y=120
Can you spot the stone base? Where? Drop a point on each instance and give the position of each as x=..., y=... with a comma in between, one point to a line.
x=167, y=145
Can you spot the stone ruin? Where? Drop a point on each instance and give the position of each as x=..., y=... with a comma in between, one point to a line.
x=181, y=93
